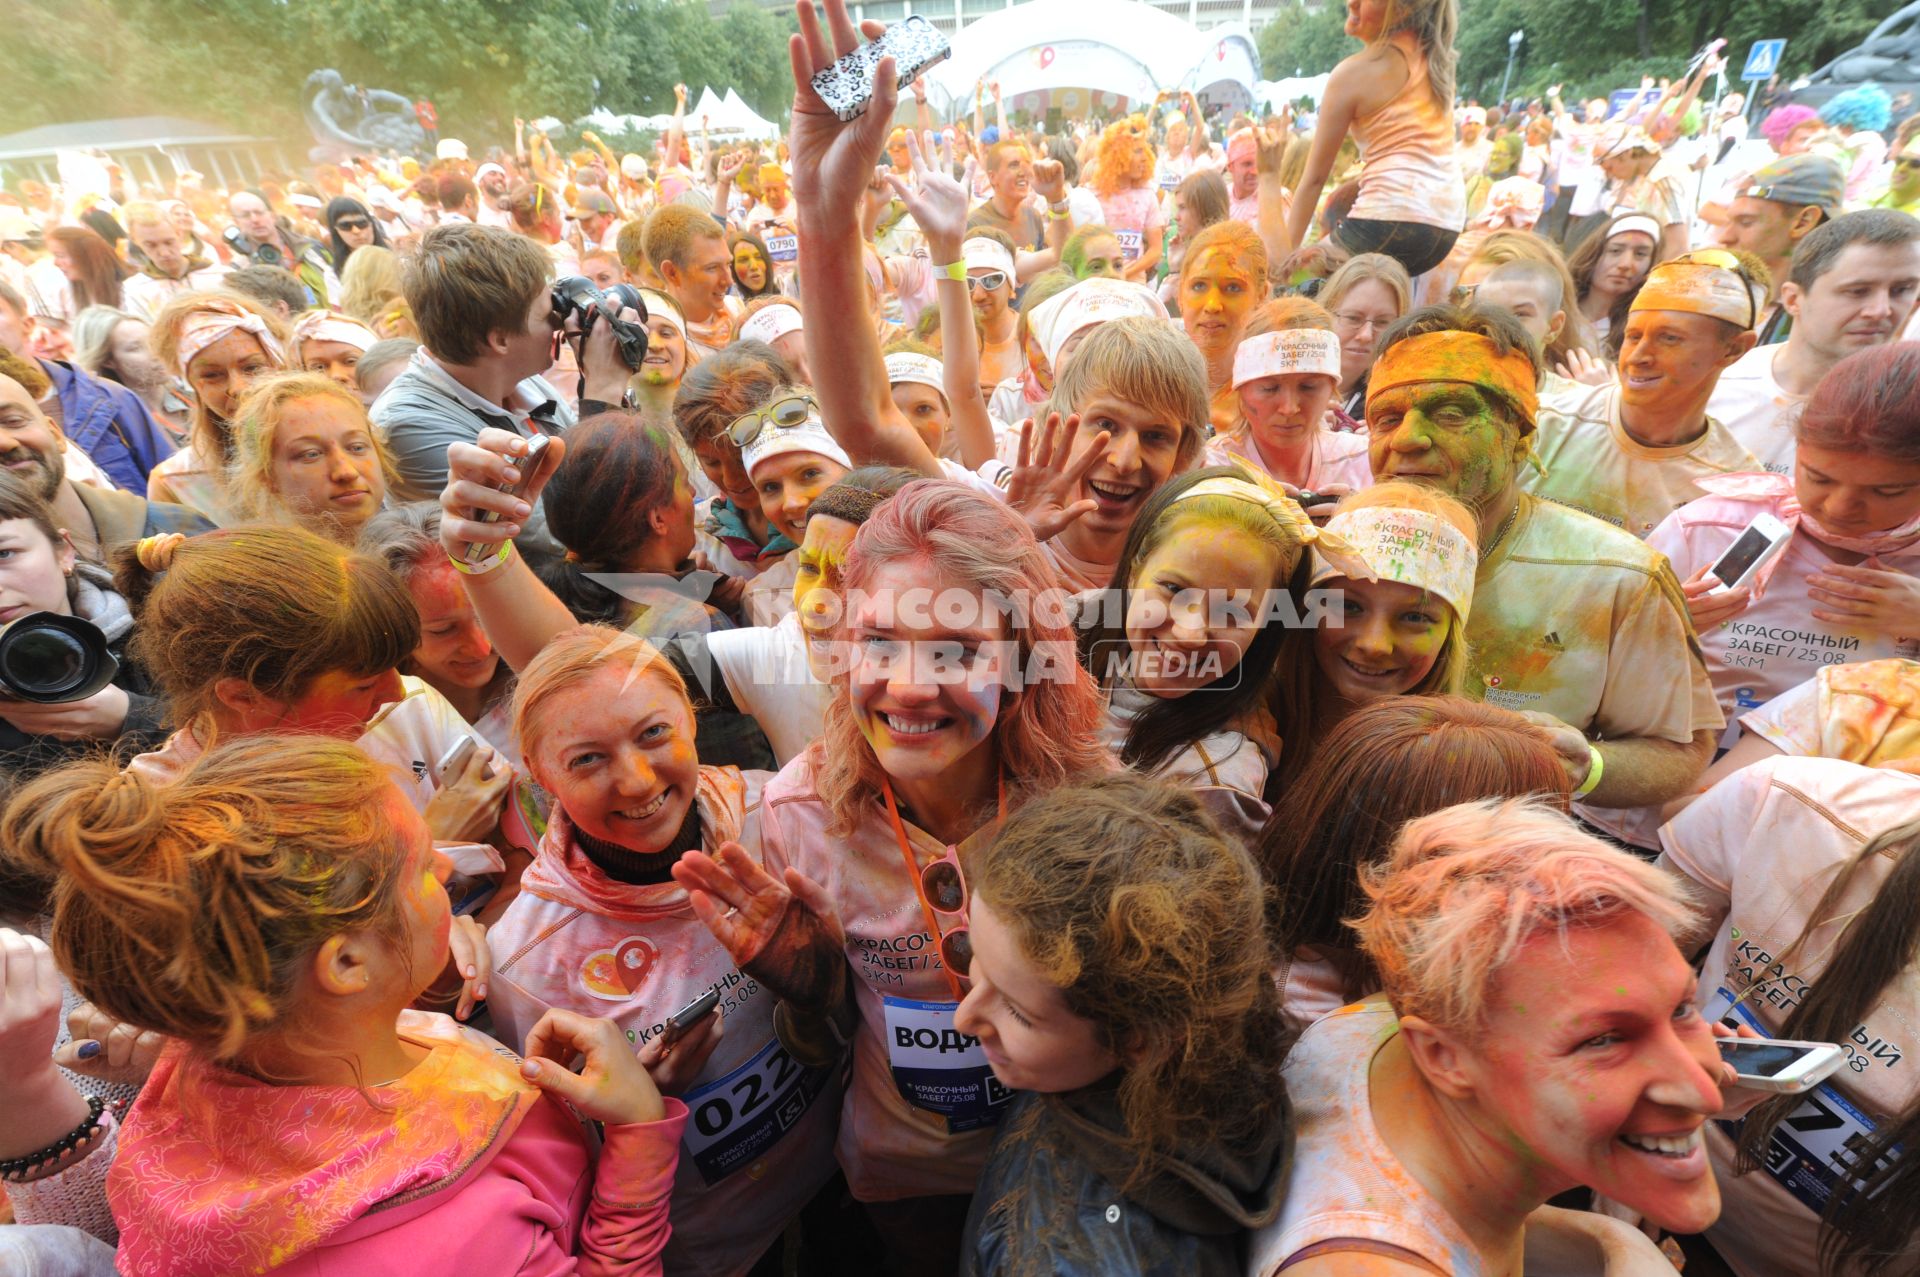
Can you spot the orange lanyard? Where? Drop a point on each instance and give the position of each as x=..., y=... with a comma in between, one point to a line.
x=913, y=870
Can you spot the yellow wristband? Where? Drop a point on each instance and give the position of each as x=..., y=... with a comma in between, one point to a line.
x=956, y=271
x=1597, y=769
x=485, y=565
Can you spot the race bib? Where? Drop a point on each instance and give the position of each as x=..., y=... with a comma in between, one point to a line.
x=1130, y=243
x=940, y=1069
x=1823, y=1146
x=733, y=1120
x=782, y=246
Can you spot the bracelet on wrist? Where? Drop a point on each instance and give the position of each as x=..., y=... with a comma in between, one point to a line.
x=1595, y=770
x=485, y=565
x=956, y=271
x=16, y=1169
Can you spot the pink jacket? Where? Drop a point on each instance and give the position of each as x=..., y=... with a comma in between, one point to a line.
x=760, y=1142
x=464, y=1170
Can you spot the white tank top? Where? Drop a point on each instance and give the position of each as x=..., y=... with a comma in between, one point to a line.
x=1408, y=171
x=1345, y=1183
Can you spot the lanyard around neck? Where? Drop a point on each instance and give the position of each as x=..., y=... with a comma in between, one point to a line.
x=913, y=870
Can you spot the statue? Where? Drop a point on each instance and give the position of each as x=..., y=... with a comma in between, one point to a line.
x=1891, y=54
x=349, y=120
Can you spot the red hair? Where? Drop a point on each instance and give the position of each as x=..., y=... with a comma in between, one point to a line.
x=99, y=267
x=1868, y=402
x=1050, y=735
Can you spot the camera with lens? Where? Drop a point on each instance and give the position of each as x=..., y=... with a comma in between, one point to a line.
x=261, y=254
x=52, y=659
x=575, y=295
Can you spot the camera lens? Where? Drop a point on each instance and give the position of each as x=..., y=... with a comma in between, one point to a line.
x=44, y=663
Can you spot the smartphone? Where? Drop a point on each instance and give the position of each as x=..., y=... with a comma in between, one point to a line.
x=455, y=758
x=1756, y=547
x=479, y=551
x=847, y=86
x=1782, y=1067
x=689, y=1015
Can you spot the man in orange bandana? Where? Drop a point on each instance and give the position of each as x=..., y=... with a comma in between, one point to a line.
x=1575, y=623
x=1630, y=451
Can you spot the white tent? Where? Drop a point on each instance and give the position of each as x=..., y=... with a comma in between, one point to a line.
x=1121, y=49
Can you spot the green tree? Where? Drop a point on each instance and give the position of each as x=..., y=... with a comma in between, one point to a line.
x=1304, y=41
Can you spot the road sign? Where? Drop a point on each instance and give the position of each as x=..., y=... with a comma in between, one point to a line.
x=1763, y=60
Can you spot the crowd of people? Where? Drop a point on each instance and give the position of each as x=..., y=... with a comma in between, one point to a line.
x=1169, y=697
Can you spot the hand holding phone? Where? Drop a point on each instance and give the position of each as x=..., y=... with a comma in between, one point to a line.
x=527, y=465
x=1752, y=550
x=913, y=43
x=1778, y=1066
x=689, y=1015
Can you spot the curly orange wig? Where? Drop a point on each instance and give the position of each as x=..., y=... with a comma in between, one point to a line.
x=1125, y=160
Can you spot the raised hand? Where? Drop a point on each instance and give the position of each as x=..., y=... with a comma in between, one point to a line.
x=937, y=202
x=784, y=932
x=1047, y=476
x=730, y=166
x=475, y=472
x=1050, y=180
x=1270, y=147
x=839, y=156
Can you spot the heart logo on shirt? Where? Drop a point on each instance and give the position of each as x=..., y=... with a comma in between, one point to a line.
x=617, y=973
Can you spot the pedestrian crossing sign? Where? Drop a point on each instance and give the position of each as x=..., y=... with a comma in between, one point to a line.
x=1763, y=60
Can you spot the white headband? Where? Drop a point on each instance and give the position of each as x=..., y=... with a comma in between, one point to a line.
x=661, y=306
x=924, y=370
x=1412, y=547
x=985, y=254
x=1636, y=222
x=321, y=325
x=1089, y=302
x=809, y=436
x=220, y=318
x=770, y=322
x=1290, y=351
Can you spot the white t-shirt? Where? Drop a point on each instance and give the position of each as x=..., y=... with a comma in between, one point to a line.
x=1587, y=460
x=1866, y=713
x=1763, y=846
x=766, y=670
x=1755, y=410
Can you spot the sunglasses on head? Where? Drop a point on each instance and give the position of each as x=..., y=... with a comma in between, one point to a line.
x=784, y=414
x=1725, y=261
x=991, y=280
x=352, y=224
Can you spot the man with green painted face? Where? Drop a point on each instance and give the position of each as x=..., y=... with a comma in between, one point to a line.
x=1574, y=623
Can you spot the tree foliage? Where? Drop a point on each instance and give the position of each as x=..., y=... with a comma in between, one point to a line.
x=481, y=62
x=1304, y=41
x=1590, y=46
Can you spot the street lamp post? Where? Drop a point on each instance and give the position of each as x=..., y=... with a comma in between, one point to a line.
x=1513, y=48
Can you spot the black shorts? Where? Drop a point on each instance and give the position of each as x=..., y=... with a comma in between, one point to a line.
x=1415, y=245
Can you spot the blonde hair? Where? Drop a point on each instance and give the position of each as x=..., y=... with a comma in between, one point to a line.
x=1524, y=248
x=209, y=437
x=275, y=607
x=1449, y=673
x=256, y=431
x=193, y=908
x=1281, y=314
x=569, y=659
x=370, y=283
x=1436, y=25
x=1362, y=267
x=1466, y=888
x=1141, y=361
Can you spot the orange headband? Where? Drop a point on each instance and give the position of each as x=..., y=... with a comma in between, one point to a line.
x=1702, y=284
x=1453, y=356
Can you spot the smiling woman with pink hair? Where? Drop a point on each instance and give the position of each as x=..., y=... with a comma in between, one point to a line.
x=958, y=700
x=1538, y=1033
